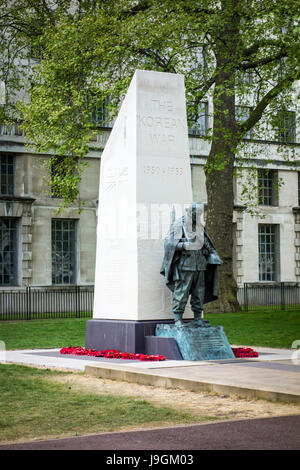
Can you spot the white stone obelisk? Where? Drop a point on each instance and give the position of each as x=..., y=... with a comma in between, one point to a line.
x=2, y=93
x=145, y=172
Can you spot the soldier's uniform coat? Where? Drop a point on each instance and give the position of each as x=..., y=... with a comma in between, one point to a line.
x=172, y=262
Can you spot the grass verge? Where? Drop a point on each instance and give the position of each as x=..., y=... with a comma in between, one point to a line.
x=34, y=406
x=35, y=334
x=274, y=329
x=277, y=329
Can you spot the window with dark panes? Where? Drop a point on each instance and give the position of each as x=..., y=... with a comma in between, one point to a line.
x=8, y=252
x=267, y=187
x=7, y=165
x=201, y=60
x=267, y=252
x=56, y=169
x=100, y=114
x=61, y=169
x=63, y=251
x=247, y=77
x=286, y=126
x=242, y=113
x=201, y=121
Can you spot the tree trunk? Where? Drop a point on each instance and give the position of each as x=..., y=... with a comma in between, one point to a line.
x=219, y=171
x=219, y=225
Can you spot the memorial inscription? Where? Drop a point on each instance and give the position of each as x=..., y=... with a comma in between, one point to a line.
x=198, y=343
x=113, y=176
x=160, y=121
x=156, y=170
x=163, y=124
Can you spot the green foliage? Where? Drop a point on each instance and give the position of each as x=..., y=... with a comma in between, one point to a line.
x=244, y=50
x=22, y=23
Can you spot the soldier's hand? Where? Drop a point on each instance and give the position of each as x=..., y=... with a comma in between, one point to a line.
x=214, y=258
x=190, y=244
x=180, y=246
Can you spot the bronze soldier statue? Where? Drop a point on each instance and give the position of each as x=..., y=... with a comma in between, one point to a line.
x=190, y=264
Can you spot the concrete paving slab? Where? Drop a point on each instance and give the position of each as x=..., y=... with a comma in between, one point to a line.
x=273, y=375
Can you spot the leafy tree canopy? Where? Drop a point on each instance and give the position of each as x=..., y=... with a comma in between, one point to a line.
x=90, y=51
x=235, y=51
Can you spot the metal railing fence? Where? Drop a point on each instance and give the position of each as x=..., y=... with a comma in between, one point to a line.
x=32, y=303
x=275, y=296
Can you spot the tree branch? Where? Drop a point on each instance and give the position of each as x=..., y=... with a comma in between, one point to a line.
x=259, y=44
x=263, y=61
x=258, y=111
x=160, y=61
x=206, y=85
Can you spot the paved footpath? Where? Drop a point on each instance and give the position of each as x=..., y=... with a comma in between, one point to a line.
x=274, y=375
x=279, y=433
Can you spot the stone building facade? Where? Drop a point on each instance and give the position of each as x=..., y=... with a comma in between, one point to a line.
x=39, y=247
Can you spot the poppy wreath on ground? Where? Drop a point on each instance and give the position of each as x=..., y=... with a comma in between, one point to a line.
x=244, y=352
x=115, y=354
x=110, y=354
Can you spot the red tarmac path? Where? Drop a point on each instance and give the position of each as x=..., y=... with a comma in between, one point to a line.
x=279, y=433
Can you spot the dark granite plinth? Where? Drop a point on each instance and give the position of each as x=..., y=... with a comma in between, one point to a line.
x=130, y=336
x=198, y=343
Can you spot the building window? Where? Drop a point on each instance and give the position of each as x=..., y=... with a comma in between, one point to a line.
x=267, y=252
x=62, y=168
x=242, y=113
x=8, y=252
x=57, y=172
x=63, y=251
x=100, y=114
x=298, y=188
x=36, y=52
x=7, y=174
x=286, y=126
x=282, y=68
x=201, y=60
x=201, y=120
x=268, y=187
x=247, y=77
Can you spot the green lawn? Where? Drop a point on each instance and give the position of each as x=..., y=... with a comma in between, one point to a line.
x=43, y=333
x=34, y=405
x=276, y=329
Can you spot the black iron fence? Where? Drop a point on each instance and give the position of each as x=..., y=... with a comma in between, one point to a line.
x=34, y=303
x=276, y=296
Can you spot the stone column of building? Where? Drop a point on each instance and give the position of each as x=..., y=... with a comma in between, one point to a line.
x=238, y=219
x=26, y=228
x=296, y=211
x=20, y=208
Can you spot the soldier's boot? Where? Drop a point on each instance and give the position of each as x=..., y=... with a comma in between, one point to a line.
x=198, y=320
x=178, y=319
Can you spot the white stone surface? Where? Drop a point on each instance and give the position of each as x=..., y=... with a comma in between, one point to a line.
x=145, y=171
x=2, y=93
x=288, y=194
